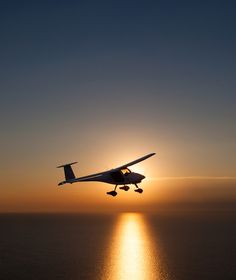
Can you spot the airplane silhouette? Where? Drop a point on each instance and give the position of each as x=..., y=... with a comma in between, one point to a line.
x=121, y=175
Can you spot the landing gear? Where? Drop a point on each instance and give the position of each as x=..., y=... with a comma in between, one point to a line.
x=138, y=190
x=113, y=193
x=125, y=188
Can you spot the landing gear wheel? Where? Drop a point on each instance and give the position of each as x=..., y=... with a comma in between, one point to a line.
x=125, y=188
x=113, y=193
x=139, y=190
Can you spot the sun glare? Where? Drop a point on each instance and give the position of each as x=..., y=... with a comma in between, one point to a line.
x=131, y=253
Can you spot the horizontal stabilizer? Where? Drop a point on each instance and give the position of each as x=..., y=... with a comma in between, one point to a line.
x=67, y=164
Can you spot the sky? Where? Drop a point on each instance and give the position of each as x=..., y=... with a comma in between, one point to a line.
x=106, y=82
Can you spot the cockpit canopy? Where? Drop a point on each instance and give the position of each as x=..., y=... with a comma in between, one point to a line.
x=119, y=175
x=125, y=171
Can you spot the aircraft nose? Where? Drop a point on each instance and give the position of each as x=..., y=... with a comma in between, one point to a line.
x=143, y=177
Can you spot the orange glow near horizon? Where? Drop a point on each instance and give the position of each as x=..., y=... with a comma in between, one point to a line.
x=91, y=197
x=36, y=190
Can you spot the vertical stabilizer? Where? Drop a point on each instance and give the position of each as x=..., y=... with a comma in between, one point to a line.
x=69, y=174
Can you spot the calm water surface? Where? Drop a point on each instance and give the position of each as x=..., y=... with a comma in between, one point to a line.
x=118, y=247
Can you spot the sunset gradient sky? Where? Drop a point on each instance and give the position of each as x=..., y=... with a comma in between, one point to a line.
x=105, y=82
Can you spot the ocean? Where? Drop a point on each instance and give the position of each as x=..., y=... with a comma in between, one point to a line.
x=166, y=246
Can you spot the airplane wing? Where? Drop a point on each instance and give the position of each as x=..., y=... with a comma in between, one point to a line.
x=98, y=175
x=135, y=161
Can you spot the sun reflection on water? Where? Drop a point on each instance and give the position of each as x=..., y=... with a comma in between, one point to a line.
x=132, y=254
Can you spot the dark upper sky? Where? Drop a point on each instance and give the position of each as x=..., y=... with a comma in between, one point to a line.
x=140, y=76
x=182, y=49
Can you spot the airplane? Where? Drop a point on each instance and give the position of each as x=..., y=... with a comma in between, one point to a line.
x=121, y=175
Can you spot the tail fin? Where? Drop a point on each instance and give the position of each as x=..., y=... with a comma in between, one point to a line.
x=69, y=174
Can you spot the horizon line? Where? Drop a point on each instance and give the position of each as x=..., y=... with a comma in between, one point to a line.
x=193, y=178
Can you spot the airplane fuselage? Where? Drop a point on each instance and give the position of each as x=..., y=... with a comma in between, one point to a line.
x=113, y=177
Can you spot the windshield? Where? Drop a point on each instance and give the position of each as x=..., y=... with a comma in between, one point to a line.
x=125, y=171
